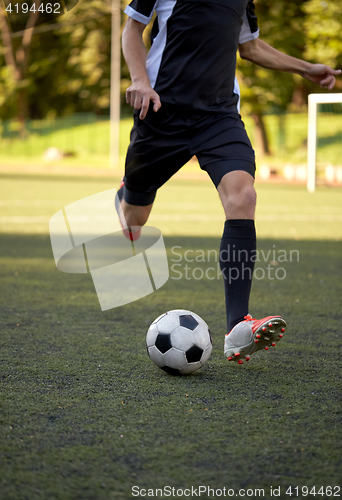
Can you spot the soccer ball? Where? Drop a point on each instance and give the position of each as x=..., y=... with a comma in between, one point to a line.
x=179, y=342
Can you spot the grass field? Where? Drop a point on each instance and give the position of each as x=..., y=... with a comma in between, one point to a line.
x=84, y=412
x=88, y=142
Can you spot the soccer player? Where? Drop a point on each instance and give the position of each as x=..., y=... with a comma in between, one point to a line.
x=186, y=100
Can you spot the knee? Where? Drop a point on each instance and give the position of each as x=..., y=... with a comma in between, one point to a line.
x=135, y=220
x=135, y=216
x=241, y=203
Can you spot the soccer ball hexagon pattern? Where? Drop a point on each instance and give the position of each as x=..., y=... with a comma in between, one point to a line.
x=179, y=342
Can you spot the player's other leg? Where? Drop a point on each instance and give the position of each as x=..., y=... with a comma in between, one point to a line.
x=132, y=215
x=237, y=256
x=158, y=149
x=135, y=215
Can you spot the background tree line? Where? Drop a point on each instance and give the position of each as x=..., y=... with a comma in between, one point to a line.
x=64, y=67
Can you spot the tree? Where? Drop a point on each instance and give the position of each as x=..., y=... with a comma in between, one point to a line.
x=323, y=25
x=86, y=78
x=69, y=65
x=16, y=53
x=262, y=90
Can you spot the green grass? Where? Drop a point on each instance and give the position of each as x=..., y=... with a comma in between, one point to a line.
x=294, y=146
x=86, y=415
x=89, y=142
x=182, y=206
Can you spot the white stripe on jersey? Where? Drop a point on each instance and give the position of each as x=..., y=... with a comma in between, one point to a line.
x=137, y=16
x=246, y=35
x=164, y=10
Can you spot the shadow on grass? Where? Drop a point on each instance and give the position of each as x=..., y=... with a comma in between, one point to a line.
x=86, y=415
x=329, y=140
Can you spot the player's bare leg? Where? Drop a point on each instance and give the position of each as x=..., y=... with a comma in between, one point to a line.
x=135, y=215
x=238, y=196
x=246, y=334
x=132, y=217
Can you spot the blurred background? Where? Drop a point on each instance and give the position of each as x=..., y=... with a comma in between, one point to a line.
x=55, y=90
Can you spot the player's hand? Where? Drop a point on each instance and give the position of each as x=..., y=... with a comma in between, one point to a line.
x=323, y=75
x=139, y=95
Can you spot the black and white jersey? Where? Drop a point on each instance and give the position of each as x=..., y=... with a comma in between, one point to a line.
x=192, y=59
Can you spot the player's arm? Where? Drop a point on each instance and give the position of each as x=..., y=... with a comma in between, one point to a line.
x=262, y=54
x=140, y=93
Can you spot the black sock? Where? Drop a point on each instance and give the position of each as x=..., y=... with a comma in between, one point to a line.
x=237, y=256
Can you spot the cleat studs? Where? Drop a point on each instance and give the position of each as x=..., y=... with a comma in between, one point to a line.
x=240, y=362
x=280, y=335
x=264, y=329
x=230, y=358
x=258, y=336
x=266, y=348
x=248, y=358
x=270, y=325
x=256, y=341
x=283, y=330
x=237, y=354
x=273, y=343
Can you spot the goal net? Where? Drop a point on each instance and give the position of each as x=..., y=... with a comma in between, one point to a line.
x=324, y=136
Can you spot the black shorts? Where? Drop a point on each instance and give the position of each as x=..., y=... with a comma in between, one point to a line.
x=164, y=141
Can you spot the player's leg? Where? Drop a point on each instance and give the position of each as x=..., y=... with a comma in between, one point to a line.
x=237, y=257
x=133, y=215
x=237, y=194
x=230, y=164
x=238, y=243
x=158, y=148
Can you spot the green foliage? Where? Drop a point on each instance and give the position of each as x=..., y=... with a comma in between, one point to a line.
x=77, y=78
x=7, y=90
x=281, y=26
x=69, y=67
x=323, y=25
x=304, y=29
x=87, y=75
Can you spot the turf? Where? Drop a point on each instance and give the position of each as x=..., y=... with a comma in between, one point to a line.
x=87, y=141
x=86, y=415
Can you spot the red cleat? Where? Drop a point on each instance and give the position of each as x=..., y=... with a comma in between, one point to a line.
x=251, y=335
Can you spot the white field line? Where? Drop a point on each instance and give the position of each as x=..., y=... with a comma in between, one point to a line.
x=32, y=203
x=259, y=217
x=41, y=219
x=174, y=206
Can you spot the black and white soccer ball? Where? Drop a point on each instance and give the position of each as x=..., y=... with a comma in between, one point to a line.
x=179, y=342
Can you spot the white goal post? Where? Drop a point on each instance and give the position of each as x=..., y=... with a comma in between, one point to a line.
x=314, y=100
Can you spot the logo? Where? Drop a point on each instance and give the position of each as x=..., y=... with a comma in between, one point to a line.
x=86, y=236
